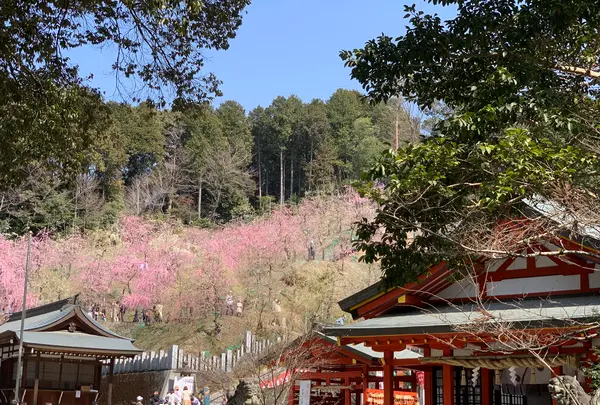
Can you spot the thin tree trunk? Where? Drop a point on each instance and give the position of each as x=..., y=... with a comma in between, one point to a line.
x=200, y=199
x=311, y=180
x=397, y=112
x=259, y=174
x=300, y=170
x=291, y=177
x=137, y=197
x=281, y=185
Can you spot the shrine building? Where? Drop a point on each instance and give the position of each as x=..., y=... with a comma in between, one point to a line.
x=341, y=375
x=479, y=334
x=63, y=354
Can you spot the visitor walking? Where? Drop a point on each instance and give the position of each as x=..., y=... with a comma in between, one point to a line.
x=239, y=308
x=186, y=397
x=206, y=398
x=154, y=399
x=122, y=310
x=114, y=312
x=158, y=312
x=229, y=304
x=139, y=400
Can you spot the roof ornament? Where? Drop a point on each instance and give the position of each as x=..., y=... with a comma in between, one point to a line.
x=72, y=327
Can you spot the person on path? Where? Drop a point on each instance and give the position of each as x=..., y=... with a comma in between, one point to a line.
x=229, y=304
x=195, y=400
x=186, y=397
x=169, y=397
x=177, y=393
x=158, y=309
x=154, y=399
x=139, y=400
x=206, y=398
x=122, y=310
x=239, y=308
x=114, y=312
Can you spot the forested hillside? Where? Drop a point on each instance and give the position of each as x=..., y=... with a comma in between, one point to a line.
x=203, y=165
x=142, y=263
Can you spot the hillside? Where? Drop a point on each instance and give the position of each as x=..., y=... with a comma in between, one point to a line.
x=264, y=264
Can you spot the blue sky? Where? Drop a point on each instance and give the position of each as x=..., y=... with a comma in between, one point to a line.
x=285, y=47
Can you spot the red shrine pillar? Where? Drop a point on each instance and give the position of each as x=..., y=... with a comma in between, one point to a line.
x=388, y=378
x=428, y=386
x=486, y=386
x=365, y=384
x=347, y=392
x=448, y=377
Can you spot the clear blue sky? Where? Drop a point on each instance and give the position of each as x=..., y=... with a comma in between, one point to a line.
x=285, y=47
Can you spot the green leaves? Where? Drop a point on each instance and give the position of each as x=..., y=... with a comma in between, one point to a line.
x=441, y=189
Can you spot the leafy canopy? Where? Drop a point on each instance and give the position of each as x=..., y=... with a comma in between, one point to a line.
x=519, y=84
x=50, y=115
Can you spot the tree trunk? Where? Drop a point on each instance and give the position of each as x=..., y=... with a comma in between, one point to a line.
x=259, y=174
x=281, y=185
x=291, y=177
x=310, y=167
x=137, y=197
x=397, y=112
x=200, y=199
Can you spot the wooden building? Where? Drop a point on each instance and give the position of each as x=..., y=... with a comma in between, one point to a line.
x=464, y=326
x=64, y=350
x=341, y=375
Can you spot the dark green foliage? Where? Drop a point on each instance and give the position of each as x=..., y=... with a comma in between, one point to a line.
x=202, y=165
x=510, y=90
x=50, y=116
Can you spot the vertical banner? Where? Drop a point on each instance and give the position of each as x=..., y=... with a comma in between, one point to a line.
x=304, y=395
x=186, y=381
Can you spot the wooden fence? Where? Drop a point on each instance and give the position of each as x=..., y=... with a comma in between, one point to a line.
x=175, y=359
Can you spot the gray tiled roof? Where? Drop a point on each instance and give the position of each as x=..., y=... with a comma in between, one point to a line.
x=525, y=313
x=42, y=320
x=79, y=341
x=37, y=321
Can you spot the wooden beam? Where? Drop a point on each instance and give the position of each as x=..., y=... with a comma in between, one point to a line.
x=448, y=378
x=36, y=384
x=111, y=372
x=409, y=300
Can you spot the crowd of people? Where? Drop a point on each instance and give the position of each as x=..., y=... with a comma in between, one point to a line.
x=177, y=397
x=117, y=311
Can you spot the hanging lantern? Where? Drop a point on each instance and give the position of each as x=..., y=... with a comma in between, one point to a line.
x=463, y=377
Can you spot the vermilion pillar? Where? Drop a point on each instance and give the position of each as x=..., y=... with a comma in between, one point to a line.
x=448, y=374
x=428, y=386
x=486, y=386
x=347, y=392
x=388, y=378
x=365, y=383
